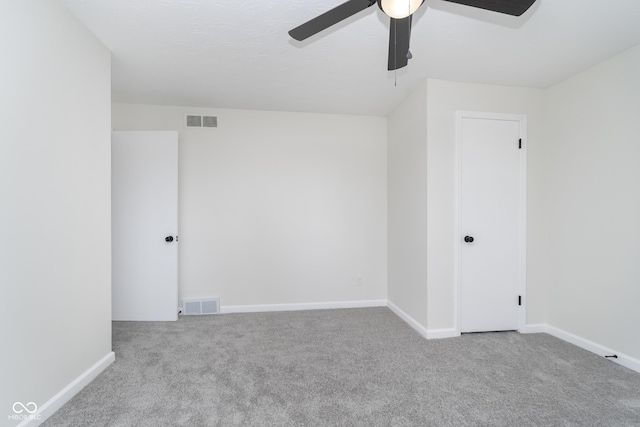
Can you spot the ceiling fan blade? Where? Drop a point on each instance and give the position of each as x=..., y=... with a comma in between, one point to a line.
x=327, y=19
x=399, y=35
x=510, y=7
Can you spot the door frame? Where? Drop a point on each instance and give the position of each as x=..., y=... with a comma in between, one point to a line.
x=522, y=227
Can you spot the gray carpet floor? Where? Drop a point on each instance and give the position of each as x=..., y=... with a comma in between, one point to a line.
x=354, y=367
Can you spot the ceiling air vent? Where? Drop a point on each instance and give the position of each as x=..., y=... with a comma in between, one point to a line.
x=196, y=121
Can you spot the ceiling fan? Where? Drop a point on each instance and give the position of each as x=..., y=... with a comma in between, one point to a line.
x=400, y=12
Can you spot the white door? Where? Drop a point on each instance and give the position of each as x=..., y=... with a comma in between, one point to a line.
x=490, y=221
x=144, y=211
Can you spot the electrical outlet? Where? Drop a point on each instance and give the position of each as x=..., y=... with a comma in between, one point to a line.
x=360, y=281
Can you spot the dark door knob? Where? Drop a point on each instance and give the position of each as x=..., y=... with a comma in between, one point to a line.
x=168, y=239
x=468, y=239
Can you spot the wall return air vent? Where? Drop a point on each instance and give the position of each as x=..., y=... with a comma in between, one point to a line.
x=197, y=121
x=199, y=306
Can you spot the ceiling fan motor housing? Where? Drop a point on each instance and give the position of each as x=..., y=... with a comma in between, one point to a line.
x=399, y=9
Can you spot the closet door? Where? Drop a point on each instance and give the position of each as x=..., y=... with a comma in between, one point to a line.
x=491, y=258
x=144, y=207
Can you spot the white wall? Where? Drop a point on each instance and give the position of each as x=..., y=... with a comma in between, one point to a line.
x=593, y=203
x=55, y=256
x=276, y=207
x=444, y=98
x=407, y=223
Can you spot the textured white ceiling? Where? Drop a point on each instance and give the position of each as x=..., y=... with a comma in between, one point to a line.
x=237, y=54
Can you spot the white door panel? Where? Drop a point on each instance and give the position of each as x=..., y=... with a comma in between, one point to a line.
x=144, y=212
x=490, y=186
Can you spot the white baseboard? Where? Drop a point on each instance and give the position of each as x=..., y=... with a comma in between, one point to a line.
x=534, y=329
x=261, y=308
x=408, y=319
x=427, y=333
x=600, y=350
x=434, y=334
x=64, y=395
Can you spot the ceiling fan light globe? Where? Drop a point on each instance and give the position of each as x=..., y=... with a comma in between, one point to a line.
x=399, y=9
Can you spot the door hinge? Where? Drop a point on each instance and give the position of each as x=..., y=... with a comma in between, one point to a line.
x=520, y=144
x=519, y=299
